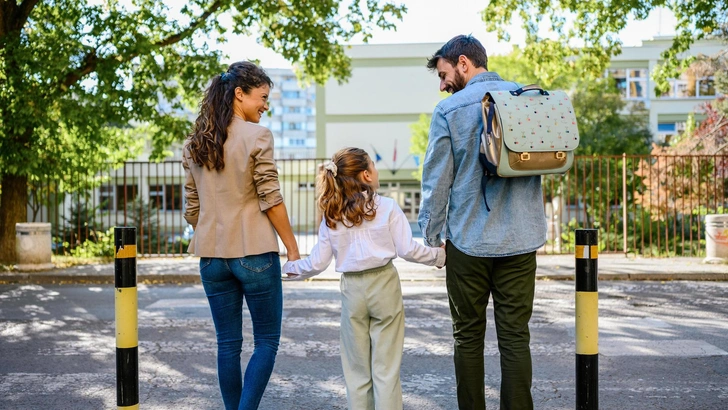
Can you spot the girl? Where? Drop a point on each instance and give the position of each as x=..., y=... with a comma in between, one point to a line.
x=236, y=208
x=365, y=231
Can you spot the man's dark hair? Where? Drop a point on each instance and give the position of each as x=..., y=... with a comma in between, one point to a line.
x=461, y=45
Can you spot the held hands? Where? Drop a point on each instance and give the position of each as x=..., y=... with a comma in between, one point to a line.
x=443, y=249
x=290, y=273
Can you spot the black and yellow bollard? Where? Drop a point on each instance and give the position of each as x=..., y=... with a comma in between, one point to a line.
x=587, y=320
x=125, y=301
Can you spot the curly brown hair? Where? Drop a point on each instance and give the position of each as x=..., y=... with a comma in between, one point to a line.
x=343, y=196
x=206, y=141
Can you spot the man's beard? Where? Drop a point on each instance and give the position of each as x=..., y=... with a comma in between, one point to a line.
x=458, y=83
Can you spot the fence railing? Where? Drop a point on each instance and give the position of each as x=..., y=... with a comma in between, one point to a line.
x=643, y=205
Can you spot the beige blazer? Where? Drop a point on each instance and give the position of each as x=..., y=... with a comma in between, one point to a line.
x=227, y=207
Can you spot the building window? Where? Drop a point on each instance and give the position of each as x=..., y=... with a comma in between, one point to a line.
x=294, y=126
x=166, y=197
x=115, y=197
x=631, y=83
x=666, y=131
x=706, y=87
x=291, y=110
x=306, y=186
x=291, y=94
x=296, y=142
x=688, y=86
x=106, y=197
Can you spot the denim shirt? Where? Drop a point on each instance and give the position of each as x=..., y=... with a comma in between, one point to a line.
x=451, y=184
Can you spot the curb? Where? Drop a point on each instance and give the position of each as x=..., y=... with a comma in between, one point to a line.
x=657, y=277
x=187, y=279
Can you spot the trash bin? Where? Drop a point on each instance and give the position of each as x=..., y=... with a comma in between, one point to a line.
x=716, y=239
x=33, y=246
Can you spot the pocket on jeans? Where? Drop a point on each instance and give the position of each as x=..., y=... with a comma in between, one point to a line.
x=257, y=263
x=205, y=262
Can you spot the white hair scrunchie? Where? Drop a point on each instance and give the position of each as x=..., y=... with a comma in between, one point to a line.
x=331, y=167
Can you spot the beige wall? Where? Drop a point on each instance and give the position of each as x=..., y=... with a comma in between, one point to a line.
x=390, y=87
x=384, y=90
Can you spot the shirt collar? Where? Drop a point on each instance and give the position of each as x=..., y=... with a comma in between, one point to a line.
x=486, y=76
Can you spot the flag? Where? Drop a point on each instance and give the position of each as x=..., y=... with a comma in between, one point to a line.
x=394, y=157
x=417, y=160
x=377, y=157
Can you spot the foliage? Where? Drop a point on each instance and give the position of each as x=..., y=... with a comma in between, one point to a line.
x=603, y=128
x=75, y=74
x=98, y=244
x=418, y=141
x=693, y=169
x=516, y=67
x=80, y=224
x=586, y=31
x=144, y=216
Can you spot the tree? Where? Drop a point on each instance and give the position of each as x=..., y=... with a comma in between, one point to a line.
x=74, y=74
x=596, y=24
x=604, y=129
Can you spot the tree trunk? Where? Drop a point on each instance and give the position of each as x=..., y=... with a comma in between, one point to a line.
x=13, y=203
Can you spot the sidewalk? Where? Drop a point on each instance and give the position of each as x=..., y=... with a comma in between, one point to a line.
x=184, y=270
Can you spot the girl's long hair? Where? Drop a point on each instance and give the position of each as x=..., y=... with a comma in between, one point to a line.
x=205, y=143
x=345, y=198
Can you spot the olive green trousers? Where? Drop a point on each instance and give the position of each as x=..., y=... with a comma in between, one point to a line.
x=470, y=282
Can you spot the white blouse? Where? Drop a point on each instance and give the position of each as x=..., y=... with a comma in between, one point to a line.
x=370, y=245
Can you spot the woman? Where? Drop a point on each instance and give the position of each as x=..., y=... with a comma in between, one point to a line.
x=235, y=206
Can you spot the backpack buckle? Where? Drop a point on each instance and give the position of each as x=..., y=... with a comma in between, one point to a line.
x=560, y=155
x=525, y=156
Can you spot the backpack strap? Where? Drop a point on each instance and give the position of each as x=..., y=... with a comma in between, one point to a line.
x=483, y=185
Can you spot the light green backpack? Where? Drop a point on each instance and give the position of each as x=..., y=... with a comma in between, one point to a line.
x=527, y=132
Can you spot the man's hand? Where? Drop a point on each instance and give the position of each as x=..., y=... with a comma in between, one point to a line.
x=443, y=248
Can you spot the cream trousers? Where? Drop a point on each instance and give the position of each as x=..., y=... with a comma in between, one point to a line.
x=372, y=338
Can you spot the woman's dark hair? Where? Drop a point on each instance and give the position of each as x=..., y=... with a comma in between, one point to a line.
x=461, y=45
x=344, y=197
x=206, y=141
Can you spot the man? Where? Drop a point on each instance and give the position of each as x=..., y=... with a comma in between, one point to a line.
x=491, y=247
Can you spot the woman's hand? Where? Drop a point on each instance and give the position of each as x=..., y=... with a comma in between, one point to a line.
x=293, y=255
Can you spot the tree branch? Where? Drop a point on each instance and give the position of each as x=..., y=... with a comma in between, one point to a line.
x=91, y=60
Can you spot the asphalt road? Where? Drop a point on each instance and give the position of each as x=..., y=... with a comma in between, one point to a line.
x=662, y=346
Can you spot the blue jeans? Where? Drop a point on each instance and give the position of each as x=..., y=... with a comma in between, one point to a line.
x=257, y=278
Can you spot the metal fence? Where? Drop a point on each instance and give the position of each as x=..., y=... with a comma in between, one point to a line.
x=644, y=205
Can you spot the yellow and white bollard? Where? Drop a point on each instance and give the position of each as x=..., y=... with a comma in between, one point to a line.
x=125, y=301
x=587, y=320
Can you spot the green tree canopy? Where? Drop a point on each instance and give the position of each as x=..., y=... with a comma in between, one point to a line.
x=74, y=74
x=587, y=30
x=604, y=127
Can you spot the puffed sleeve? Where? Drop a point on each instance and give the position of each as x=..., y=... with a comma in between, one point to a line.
x=265, y=173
